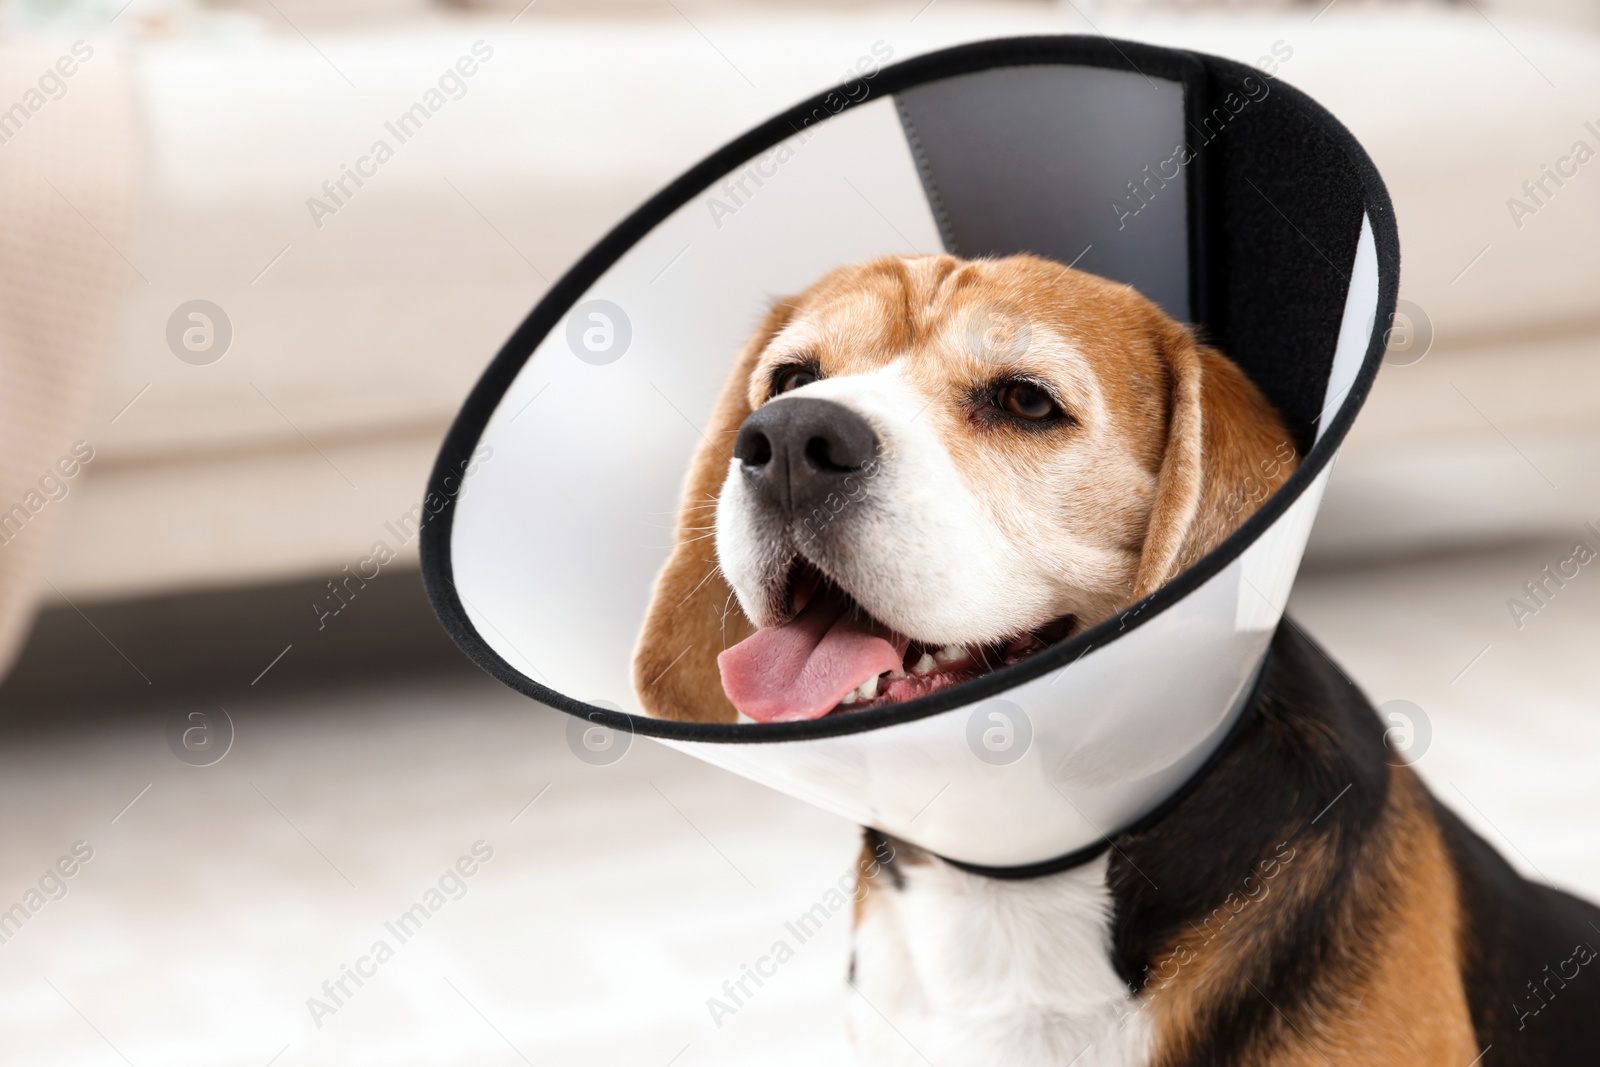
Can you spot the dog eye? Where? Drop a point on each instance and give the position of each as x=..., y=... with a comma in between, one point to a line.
x=791, y=378
x=1025, y=402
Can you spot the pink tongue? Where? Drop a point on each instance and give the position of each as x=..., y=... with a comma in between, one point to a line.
x=802, y=670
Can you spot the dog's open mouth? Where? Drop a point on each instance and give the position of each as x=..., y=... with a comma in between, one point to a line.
x=834, y=657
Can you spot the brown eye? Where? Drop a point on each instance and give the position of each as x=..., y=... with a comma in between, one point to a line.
x=1025, y=401
x=791, y=378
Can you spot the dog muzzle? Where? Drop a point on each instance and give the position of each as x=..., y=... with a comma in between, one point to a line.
x=1230, y=199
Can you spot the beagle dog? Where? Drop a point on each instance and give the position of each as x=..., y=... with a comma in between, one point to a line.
x=924, y=468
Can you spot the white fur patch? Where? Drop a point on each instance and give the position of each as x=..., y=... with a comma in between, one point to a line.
x=960, y=970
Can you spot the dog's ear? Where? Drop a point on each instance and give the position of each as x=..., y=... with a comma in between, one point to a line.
x=693, y=615
x=1227, y=450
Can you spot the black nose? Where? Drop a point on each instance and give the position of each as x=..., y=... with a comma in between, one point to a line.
x=797, y=451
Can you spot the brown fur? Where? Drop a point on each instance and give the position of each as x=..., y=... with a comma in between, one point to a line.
x=1391, y=995
x=1226, y=451
x=1189, y=433
x=692, y=615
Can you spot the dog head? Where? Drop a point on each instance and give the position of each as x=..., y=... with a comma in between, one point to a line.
x=924, y=468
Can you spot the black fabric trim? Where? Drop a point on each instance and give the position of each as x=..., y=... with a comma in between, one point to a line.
x=1202, y=307
x=1078, y=857
x=464, y=433
x=1075, y=858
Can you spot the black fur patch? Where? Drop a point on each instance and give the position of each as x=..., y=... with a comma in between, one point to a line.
x=886, y=850
x=1534, y=1000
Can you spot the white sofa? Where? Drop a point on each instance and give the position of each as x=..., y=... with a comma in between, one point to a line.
x=355, y=341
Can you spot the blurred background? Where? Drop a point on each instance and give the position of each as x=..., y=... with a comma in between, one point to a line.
x=178, y=496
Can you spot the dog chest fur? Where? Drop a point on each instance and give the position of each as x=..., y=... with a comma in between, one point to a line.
x=972, y=970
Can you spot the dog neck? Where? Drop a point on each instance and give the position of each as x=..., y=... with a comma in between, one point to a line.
x=1126, y=957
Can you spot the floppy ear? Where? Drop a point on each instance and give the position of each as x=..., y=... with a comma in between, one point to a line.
x=693, y=615
x=1227, y=450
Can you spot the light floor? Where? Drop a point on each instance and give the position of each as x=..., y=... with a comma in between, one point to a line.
x=615, y=905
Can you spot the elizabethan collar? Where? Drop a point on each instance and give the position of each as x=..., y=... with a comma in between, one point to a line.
x=1232, y=200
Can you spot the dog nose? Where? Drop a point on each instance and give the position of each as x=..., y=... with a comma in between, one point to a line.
x=797, y=451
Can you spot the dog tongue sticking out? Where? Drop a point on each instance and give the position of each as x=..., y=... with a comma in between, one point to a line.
x=804, y=668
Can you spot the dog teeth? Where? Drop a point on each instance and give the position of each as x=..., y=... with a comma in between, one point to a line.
x=950, y=653
x=896, y=673
x=925, y=665
x=865, y=691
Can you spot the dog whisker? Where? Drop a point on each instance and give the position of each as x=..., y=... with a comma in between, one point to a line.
x=726, y=607
x=709, y=575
